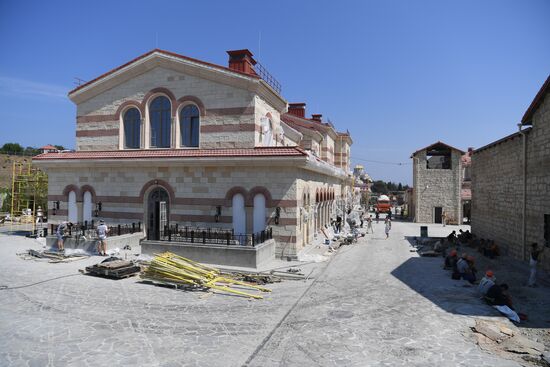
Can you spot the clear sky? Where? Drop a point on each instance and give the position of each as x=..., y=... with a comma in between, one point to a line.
x=399, y=75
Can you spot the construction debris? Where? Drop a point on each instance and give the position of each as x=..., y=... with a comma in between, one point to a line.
x=506, y=340
x=52, y=256
x=114, y=268
x=169, y=268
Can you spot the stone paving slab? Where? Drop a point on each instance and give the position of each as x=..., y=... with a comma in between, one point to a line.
x=359, y=309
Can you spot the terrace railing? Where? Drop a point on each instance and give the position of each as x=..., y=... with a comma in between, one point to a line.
x=89, y=229
x=213, y=236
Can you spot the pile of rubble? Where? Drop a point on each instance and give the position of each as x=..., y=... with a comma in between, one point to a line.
x=506, y=340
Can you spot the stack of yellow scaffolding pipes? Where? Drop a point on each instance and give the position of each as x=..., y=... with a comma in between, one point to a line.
x=171, y=268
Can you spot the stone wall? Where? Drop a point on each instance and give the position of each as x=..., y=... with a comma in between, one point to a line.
x=197, y=190
x=497, y=188
x=436, y=188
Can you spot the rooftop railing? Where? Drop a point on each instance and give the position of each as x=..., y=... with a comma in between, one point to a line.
x=268, y=78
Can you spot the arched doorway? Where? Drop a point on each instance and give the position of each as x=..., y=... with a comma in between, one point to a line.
x=158, y=211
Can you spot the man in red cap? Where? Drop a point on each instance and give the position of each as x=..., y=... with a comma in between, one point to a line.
x=450, y=260
x=486, y=282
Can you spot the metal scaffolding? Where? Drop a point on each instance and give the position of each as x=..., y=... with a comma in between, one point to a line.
x=29, y=191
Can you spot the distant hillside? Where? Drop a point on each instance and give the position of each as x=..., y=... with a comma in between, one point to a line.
x=6, y=166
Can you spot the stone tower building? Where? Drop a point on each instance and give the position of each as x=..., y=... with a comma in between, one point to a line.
x=437, y=180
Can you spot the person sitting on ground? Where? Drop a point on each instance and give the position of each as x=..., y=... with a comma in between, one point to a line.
x=482, y=245
x=466, y=269
x=491, y=250
x=450, y=260
x=486, y=282
x=498, y=295
x=452, y=237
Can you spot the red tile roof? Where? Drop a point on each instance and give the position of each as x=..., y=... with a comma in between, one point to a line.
x=177, y=153
x=48, y=147
x=168, y=53
x=526, y=120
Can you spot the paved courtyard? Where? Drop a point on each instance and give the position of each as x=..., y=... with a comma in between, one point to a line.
x=374, y=303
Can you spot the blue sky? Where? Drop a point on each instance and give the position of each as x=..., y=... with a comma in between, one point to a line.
x=399, y=75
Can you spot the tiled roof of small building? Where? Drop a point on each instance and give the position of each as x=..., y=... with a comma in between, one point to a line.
x=48, y=147
x=177, y=153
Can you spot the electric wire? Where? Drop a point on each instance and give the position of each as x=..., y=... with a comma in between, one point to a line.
x=5, y=287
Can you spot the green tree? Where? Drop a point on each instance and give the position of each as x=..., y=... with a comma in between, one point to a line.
x=379, y=187
x=59, y=147
x=11, y=148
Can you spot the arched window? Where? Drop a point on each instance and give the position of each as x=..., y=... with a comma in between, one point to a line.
x=239, y=214
x=132, y=128
x=159, y=115
x=259, y=213
x=72, y=208
x=87, y=207
x=189, y=126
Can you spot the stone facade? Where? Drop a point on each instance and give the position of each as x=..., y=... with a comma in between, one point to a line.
x=437, y=188
x=498, y=182
x=238, y=115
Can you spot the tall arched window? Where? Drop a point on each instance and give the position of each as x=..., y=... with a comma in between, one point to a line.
x=87, y=207
x=159, y=115
x=189, y=126
x=132, y=128
x=72, y=210
x=259, y=213
x=239, y=214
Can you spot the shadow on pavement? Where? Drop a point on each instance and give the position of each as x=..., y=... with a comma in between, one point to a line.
x=426, y=276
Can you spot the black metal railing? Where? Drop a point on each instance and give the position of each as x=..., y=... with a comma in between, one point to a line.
x=89, y=229
x=212, y=236
x=267, y=77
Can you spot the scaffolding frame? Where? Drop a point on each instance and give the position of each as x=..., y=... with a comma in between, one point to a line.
x=27, y=183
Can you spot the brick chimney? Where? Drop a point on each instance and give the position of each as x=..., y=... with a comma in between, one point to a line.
x=316, y=117
x=297, y=109
x=242, y=60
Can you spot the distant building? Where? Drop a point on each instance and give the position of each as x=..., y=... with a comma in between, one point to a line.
x=49, y=149
x=362, y=184
x=511, y=184
x=437, y=181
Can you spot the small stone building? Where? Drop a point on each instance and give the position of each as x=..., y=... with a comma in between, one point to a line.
x=166, y=139
x=511, y=184
x=437, y=184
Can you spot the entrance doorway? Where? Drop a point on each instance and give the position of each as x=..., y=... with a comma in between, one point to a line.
x=438, y=212
x=158, y=211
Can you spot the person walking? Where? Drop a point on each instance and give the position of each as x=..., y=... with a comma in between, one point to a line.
x=444, y=219
x=388, y=227
x=377, y=216
x=102, y=231
x=369, y=224
x=534, y=259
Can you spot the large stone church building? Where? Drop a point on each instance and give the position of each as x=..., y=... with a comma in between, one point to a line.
x=167, y=139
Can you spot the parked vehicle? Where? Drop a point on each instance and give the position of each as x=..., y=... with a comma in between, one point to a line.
x=383, y=204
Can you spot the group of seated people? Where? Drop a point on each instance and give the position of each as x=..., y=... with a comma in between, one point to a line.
x=464, y=238
x=464, y=268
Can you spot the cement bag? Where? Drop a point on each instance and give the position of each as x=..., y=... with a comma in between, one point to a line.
x=508, y=312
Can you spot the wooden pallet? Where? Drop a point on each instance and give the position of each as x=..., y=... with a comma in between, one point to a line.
x=117, y=269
